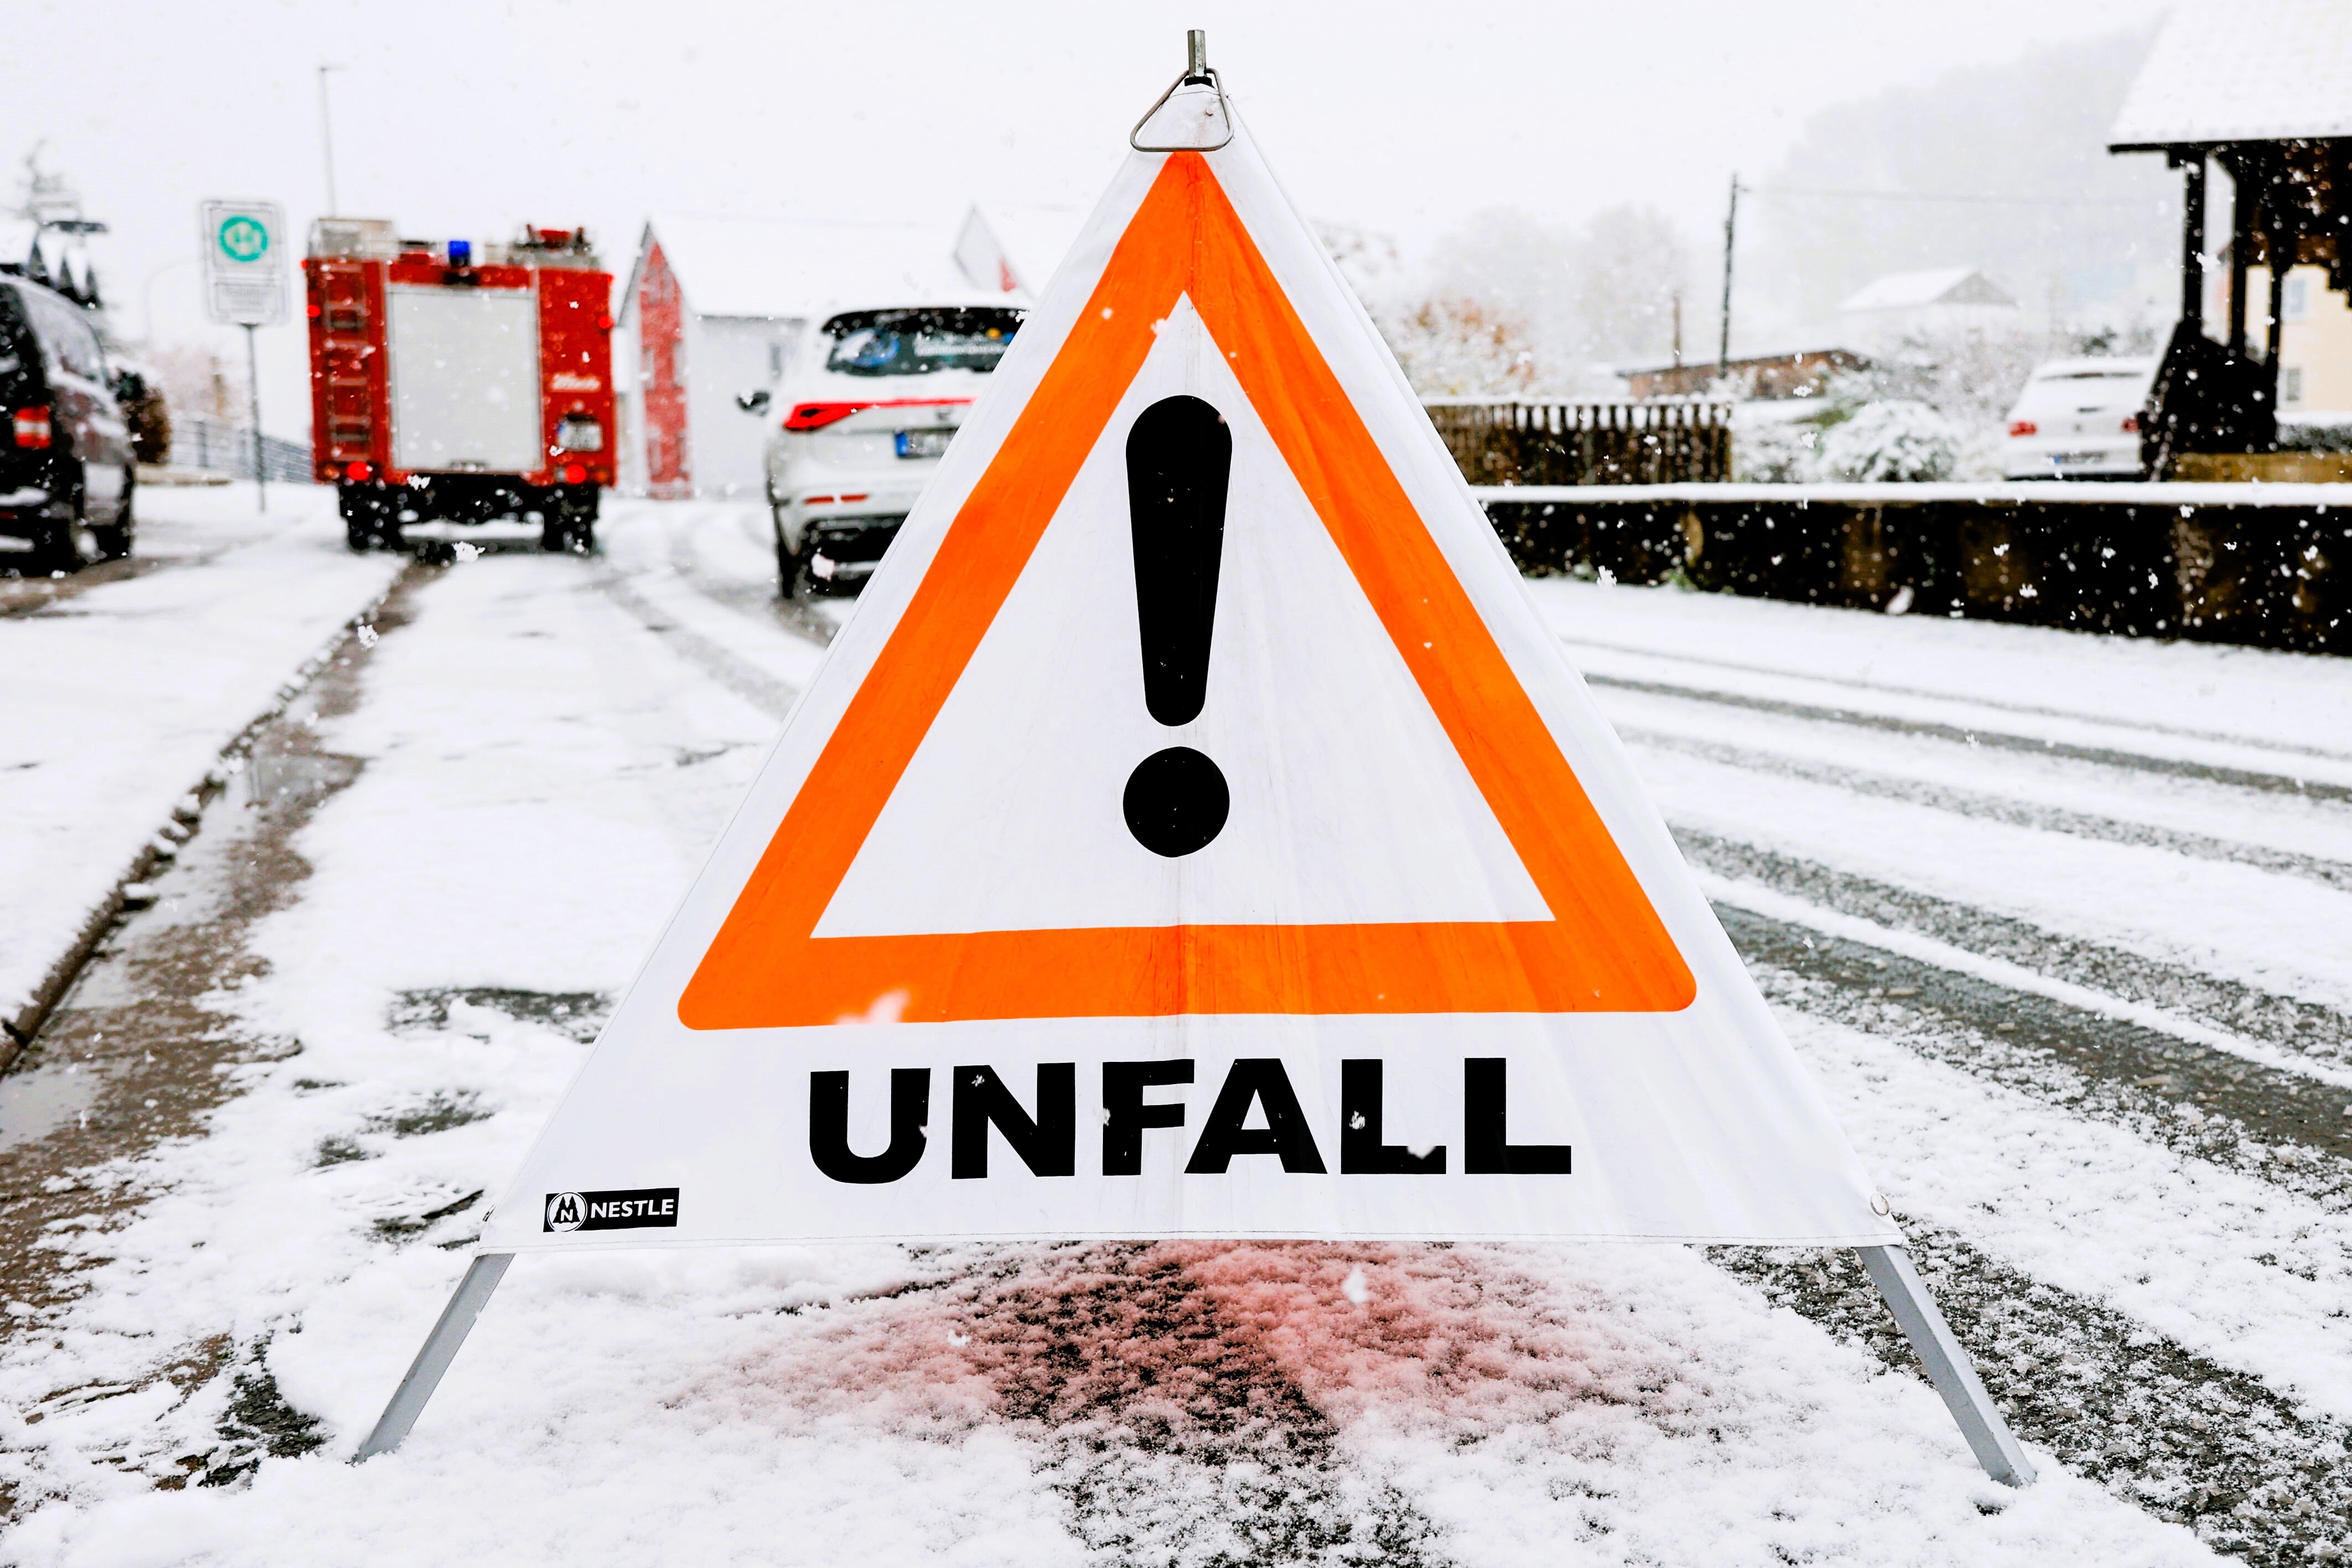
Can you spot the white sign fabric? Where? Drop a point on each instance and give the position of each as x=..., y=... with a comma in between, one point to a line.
x=1196, y=831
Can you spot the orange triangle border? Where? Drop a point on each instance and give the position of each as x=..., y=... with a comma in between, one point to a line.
x=1605, y=949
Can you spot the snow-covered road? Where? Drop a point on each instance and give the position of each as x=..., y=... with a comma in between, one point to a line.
x=2058, y=922
x=119, y=697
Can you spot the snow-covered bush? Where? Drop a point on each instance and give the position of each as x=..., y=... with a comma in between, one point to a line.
x=1894, y=440
x=1460, y=347
x=1776, y=451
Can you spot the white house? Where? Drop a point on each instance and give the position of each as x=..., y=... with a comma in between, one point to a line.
x=1932, y=303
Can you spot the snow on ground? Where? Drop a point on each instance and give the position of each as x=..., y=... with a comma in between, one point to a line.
x=2280, y=933
x=2235, y=1268
x=120, y=697
x=2155, y=691
x=2172, y=721
x=550, y=747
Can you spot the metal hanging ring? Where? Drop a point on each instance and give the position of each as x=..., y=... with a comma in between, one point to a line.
x=1196, y=73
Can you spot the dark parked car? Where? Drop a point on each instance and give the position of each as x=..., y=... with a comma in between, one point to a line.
x=66, y=464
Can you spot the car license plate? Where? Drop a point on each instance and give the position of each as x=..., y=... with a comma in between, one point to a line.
x=2077, y=459
x=924, y=443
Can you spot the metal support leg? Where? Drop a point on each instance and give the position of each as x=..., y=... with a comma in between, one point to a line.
x=1996, y=1448
x=466, y=1304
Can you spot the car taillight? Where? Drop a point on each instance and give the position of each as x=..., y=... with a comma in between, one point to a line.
x=814, y=416
x=2131, y=425
x=358, y=471
x=573, y=474
x=2023, y=427
x=32, y=427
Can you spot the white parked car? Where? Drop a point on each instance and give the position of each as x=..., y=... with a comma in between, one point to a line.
x=869, y=401
x=2078, y=419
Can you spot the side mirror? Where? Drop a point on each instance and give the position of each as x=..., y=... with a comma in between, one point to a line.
x=752, y=402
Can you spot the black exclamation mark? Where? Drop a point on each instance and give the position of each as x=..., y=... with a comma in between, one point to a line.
x=1178, y=457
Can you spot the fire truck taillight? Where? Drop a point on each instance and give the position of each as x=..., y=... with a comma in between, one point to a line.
x=573, y=474
x=604, y=323
x=360, y=470
x=33, y=427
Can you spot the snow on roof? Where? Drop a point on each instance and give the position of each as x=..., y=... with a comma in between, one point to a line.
x=2242, y=70
x=1936, y=286
x=779, y=267
x=1033, y=240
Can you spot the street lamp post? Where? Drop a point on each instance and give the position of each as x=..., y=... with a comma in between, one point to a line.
x=327, y=138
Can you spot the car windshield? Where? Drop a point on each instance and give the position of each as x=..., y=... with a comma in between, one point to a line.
x=919, y=343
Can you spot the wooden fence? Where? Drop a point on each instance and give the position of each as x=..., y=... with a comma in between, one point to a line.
x=1586, y=442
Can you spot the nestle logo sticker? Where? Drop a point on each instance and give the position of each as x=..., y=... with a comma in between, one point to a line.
x=637, y=1208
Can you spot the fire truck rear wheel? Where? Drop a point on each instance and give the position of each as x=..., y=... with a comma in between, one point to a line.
x=570, y=520
x=365, y=518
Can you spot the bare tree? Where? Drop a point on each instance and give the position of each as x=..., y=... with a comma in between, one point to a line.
x=1513, y=307
x=1629, y=263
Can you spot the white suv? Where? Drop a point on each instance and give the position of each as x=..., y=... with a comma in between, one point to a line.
x=871, y=399
x=2078, y=419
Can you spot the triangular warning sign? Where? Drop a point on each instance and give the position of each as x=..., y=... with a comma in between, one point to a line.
x=1186, y=282
x=1196, y=830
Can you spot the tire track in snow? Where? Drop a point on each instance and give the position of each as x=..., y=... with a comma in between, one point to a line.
x=2294, y=1025
x=2212, y=773
x=2028, y=710
x=759, y=600
x=1984, y=807
x=2290, y=1131
x=722, y=665
x=2189, y=1440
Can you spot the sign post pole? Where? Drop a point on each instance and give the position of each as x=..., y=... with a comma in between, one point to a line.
x=244, y=250
x=253, y=385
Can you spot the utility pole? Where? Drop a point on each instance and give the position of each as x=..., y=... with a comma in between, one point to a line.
x=326, y=138
x=1730, y=230
x=1678, y=328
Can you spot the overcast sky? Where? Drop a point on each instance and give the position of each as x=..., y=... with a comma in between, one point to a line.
x=466, y=116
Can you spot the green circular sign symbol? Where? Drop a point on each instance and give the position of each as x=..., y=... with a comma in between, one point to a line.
x=243, y=238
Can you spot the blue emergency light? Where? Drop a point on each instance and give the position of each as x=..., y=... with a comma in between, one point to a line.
x=461, y=252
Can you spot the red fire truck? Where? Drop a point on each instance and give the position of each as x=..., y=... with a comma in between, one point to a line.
x=454, y=385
